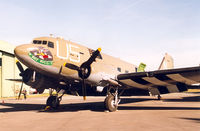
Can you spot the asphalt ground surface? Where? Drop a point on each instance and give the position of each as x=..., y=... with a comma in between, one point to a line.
x=176, y=112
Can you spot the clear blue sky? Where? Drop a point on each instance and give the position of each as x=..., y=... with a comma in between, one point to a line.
x=134, y=30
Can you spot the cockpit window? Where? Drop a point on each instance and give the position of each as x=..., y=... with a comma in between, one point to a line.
x=44, y=42
x=50, y=44
x=37, y=41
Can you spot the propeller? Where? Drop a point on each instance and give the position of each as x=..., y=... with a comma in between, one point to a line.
x=21, y=69
x=84, y=70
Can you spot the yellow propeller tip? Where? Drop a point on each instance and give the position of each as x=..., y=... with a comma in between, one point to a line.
x=99, y=49
x=47, y=108
x=64, y=63
x=17, y=61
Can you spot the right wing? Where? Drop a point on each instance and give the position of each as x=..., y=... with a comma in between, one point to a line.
x=162, y=81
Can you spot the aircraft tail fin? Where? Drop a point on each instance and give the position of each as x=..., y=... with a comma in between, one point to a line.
x=167, y=62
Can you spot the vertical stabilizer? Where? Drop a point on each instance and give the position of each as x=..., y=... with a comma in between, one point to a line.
x=167, y=62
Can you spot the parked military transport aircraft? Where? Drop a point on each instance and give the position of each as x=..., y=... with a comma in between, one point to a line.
x=57, y=64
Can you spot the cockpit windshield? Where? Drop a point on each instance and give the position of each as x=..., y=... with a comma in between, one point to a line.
x=44, y=42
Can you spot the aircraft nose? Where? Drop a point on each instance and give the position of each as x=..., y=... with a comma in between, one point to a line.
x=20, y=50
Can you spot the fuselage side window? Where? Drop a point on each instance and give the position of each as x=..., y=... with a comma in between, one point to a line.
x=119, y=69
x=50, y=44
x=136, y=69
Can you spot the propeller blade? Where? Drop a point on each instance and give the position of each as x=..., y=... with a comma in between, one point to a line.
x=21, y=69
x=92, y=58
x=84, y=89
x=72, y=66
x=16, y=80
x=20, y=92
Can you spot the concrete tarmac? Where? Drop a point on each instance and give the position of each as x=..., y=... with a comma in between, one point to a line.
x=176, y=112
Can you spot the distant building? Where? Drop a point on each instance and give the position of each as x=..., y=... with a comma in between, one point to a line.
x=8, y=70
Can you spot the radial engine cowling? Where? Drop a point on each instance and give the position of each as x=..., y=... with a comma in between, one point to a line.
x=38, y=81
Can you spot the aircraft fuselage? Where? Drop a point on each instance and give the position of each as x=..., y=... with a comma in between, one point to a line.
x=47, y=56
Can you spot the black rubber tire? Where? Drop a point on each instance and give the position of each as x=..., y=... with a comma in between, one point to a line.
x=109, y=103
x=53, y=102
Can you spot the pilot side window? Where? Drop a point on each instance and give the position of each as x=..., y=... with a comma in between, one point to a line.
x=50, y=44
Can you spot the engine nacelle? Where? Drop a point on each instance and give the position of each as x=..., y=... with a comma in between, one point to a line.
x=38, y=81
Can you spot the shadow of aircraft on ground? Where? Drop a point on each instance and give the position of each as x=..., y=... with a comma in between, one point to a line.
x=184, y=99
x=191, y=119
x=95, y=106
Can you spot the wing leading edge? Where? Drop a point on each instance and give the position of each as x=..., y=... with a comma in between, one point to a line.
x=162, y=81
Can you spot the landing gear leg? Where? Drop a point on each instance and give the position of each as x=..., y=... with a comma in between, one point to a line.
x=159, y=97
x=53, y=101
x=112, y=100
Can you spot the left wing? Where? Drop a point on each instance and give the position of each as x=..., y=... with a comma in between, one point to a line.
x=162, y=81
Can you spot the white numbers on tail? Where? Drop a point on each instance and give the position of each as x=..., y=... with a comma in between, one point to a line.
x=71, y=54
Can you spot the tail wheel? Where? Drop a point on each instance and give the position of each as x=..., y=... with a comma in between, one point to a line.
x=53, y=102
x=110, y=103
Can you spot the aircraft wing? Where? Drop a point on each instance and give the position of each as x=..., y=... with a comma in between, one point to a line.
x=162, y=81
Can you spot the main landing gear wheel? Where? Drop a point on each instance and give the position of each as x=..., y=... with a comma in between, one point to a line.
x=110, y=103
x=53, y=102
